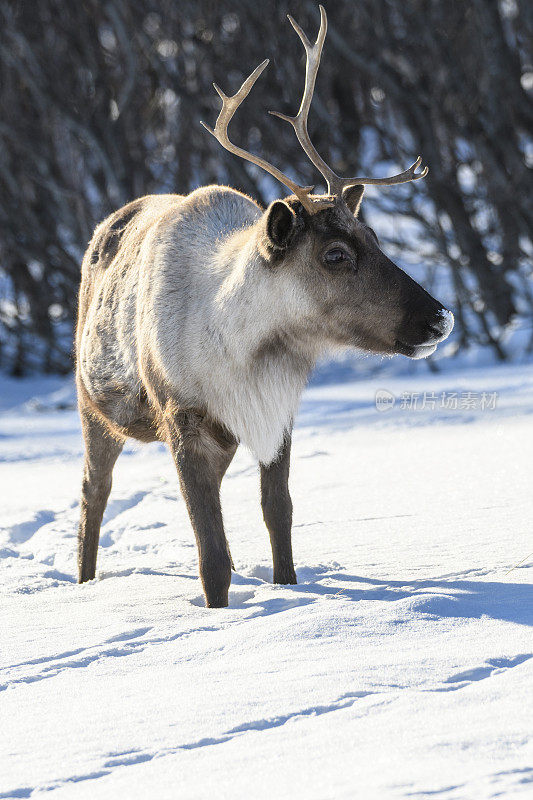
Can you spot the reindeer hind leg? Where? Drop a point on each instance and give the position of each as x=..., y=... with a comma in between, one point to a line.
x=101, y=452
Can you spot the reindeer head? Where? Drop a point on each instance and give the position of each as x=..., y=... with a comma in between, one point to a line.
x=363, y=299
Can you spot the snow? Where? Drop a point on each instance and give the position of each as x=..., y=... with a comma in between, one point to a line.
x=399, y=667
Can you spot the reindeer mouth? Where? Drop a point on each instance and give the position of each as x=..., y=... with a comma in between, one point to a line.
x=415, y=351
x=439, y=328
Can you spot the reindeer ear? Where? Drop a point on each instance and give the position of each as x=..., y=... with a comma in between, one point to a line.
x=352, y=196
x=280, y=224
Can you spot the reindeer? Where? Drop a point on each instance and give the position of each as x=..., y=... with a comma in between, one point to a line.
x=201, y=317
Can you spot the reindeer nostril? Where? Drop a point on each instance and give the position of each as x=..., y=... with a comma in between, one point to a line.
x=434, y=332
x=441, y=327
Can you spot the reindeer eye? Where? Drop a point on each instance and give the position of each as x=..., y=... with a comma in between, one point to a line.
x=337, y=257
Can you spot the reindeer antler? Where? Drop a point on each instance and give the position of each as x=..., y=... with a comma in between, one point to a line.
x=299, y=122
x=336, y=184
x=220, y=132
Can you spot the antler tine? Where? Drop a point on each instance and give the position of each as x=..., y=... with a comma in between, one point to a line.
x=409, y=174
x=230, y=104
x=336, y=184
x=299, y=122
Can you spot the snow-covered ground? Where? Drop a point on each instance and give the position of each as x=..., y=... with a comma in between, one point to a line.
x=400, y=666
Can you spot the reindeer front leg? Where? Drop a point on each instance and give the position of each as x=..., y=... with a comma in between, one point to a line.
x=202, y=452
x=277, y=512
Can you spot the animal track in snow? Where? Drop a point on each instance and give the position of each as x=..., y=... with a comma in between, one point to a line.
x=128, y=760
x=314, y=454
x=117, y=506
x=131, y=757
x=22, y=531
x=129, y=643
x=493, y=666
x=114, y=509
x=128, y=635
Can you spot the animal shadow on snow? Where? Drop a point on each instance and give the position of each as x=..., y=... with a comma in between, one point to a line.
x=429, y=599
x=512, y=602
